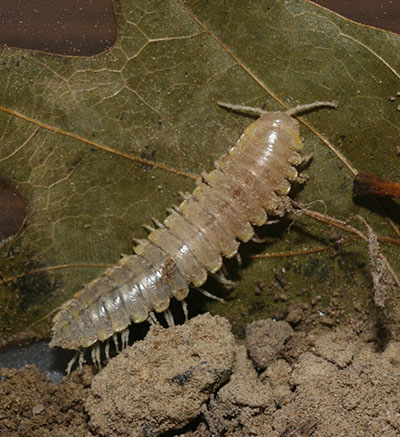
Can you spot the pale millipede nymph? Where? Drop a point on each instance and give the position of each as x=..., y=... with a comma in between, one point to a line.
x=248, y=184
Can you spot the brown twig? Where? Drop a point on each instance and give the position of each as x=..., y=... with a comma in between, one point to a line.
x=344, y=227
x=366, y=184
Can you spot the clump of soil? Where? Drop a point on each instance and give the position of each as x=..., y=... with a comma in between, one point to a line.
x=241, y=406
x=342, y=387
x=150, y=388
x=265, y=340
x=320, y=381
x=30, y=405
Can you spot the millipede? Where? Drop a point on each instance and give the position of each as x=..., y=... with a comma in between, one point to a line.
x=249, y=183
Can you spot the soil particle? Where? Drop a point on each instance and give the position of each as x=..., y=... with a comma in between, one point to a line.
x=265, y=340
x=352, y=394
x=295, y=315
x=277, y=375
x=334, y=348
x=242, y=406
x=30, y=405
x=149, y=388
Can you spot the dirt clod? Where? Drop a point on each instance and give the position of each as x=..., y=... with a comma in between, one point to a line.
x=162, y=382
x=30, y=405
x=265, y=340
x=355, y=395
x=241, y=406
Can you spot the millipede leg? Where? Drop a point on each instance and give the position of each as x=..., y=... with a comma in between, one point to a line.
x=185, y=196
x=71, y=362
x=258, y=240
x=115, y=339
x=224, y=270
x=152, y=319
x=173, y=210
x=185, y=310
x=81, y=359
x=222, y=279
x=138, y=241
x=107, y=350
x=169, y=318
x=158, y=223
x=148, y=228
x=209, y=295
x=95, y=354
x=125, y=339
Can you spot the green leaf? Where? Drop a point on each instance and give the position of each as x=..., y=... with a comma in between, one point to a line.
x=76, y=135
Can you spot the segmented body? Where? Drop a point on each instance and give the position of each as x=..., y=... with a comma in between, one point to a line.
x=249, y=183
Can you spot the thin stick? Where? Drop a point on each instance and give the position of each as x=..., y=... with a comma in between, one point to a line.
x=300, y=252
x=347, y=228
